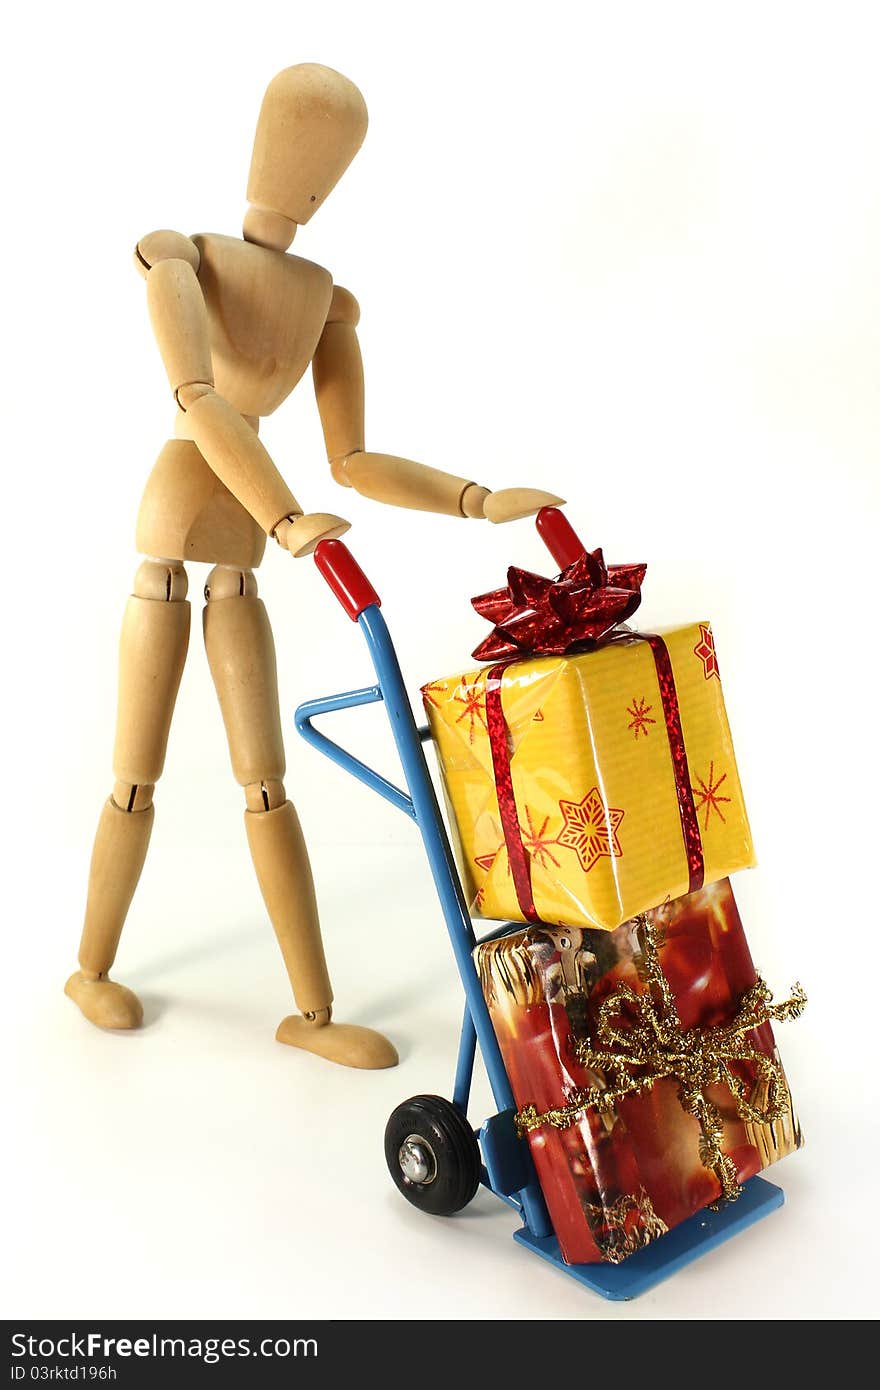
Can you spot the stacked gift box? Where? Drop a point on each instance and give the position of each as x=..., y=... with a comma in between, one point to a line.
x=593, y=794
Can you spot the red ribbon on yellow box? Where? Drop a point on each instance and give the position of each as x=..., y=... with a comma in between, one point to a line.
x=581, y=609
x=534, y=616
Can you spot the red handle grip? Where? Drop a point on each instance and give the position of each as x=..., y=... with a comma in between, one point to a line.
x=345, y=577
x=559, y=536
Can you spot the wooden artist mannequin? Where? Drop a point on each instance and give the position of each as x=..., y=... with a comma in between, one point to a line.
x=237, y=323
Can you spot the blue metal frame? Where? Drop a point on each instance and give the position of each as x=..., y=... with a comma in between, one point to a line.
x=509, y=1171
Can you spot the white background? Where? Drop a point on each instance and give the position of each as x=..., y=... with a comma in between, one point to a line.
x=628, y=252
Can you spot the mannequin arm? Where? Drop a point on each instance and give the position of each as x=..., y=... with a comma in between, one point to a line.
x=338, y=375
x=228, y=443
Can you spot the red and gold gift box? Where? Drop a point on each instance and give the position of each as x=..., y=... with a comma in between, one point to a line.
x=585, y=788
x=644, y=1066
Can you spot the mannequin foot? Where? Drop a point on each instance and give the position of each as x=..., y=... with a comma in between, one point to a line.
x=512, y=503
x=104, y=1002
x=345, y=1043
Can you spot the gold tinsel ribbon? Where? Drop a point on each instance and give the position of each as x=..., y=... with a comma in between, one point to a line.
x=641, y=1040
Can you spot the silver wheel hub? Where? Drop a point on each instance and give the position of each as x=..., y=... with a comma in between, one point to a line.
x=417, y=1160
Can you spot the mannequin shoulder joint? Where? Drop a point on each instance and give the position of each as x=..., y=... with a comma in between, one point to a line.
x=344, y=308
x=164, y=246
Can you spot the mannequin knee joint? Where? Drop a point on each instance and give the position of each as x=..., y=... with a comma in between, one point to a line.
x=133, y=797
x=163, y=580
x=265, y=796
x=227, y=582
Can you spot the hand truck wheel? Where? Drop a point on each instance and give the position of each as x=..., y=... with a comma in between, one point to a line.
x=432, y=1155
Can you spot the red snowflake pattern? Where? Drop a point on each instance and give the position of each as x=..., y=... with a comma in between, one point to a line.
x=640, y=711
x=591, y=829
x=427, y=692
x=473, y=697
x=706, y=793
x=705, y=650
x=485, y=861
x=536, y=842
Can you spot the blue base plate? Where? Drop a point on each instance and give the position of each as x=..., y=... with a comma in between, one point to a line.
x=671, y=1252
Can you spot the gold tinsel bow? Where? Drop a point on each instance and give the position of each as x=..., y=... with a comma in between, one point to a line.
x=641, y=1040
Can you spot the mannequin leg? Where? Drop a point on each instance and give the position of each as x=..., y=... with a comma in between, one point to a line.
x=241, y=654
x=152, y=652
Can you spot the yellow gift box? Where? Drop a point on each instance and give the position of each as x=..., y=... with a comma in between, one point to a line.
x=612, y=817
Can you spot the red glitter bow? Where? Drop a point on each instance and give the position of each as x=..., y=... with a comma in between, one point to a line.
x=537, y=616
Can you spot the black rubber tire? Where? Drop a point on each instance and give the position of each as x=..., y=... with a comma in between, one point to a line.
x=437, y=1123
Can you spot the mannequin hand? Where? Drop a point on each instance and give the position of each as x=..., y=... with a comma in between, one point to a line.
x=513, y=503
x=300, y=534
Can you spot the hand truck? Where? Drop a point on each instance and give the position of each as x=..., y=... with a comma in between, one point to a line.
x=435, y=1157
